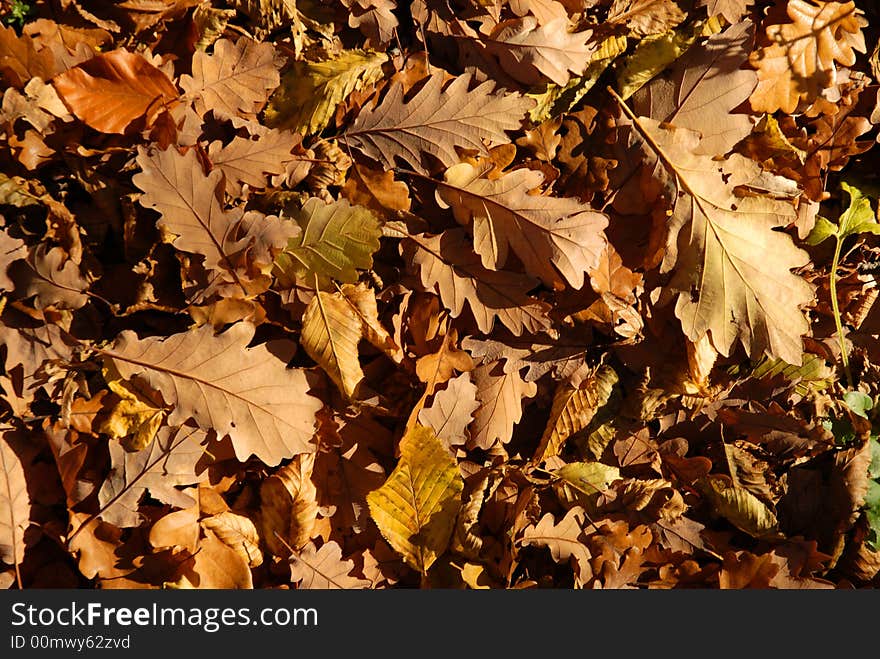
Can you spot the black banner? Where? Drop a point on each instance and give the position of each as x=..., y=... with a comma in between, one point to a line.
x=432, y=623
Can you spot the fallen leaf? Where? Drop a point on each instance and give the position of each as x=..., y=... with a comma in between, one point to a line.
x=416, y=507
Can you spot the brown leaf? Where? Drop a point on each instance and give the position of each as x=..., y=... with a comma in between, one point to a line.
x=323, y=569
x=21, y=60
x=531, y=52
x=542, y=231
x=644, y=17
x=248, y=161
x=500, y=396
x=732, y=10
x=448, y=263
x=168, y=461
x=246, y=393
x=288, y=506
x=801, y=57
x=702, y=89
x=15, y=503
x=235, y=80
x=435, y=121
x=562, y=539
x=450, y=413
x=52, y=276
x=112, y=90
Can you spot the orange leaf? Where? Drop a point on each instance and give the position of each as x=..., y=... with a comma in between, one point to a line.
x=110, y=91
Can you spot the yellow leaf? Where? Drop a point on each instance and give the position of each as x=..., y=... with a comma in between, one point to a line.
x=336, y=241
x=289, y=506
x=581, y=483
x=416, y=507
x=739, y=506
x=310, y=91
x=656, y=52
x=573, y=409
x=132, y=416
x=330, y=336
x=239, y=533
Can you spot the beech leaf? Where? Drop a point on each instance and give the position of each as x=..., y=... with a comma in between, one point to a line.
x=112, y=90
x=330, y=336
x=416, y=507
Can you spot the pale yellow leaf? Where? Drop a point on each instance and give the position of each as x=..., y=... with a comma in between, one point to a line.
x=330, y=336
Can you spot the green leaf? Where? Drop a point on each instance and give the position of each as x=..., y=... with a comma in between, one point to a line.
x=336, y=241
x=858, y=403
x=859, y=217
x=872, y=513
x=823, y=229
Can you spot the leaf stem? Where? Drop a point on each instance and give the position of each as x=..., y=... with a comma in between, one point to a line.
x=832, y=284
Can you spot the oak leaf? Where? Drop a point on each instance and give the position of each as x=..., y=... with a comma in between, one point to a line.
x=234, y=80
x=112, y=90
x=11, y=249
x=15, y=503
x=562, y=539
x=336, y=240
x=374, y=18
x=644, y=17
x=323, y=568
x=731, y=270
x=802, y=56
x=52, y=276
x=448, y=264
x=542, y=231
x=435, y=121
x=450, y=412
x=250, y=160
x=245, y=393
x=416, y=507
x=168, y=461
x=500, y=395
x=732, y=10
x=532, y=53
x=702, y=89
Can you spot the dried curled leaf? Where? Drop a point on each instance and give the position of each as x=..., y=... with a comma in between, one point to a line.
x=801, y=57
x=416, y=507
x=288, y=505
